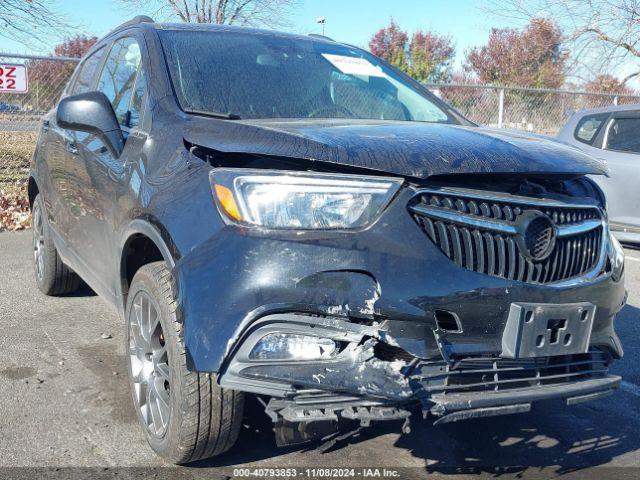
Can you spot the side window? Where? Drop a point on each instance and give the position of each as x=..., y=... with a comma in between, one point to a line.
x=119, y=76
x=588, y=127
x=623, y=135
x=84, y=79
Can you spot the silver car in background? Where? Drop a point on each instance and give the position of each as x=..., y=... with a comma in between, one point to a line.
x=613, y=134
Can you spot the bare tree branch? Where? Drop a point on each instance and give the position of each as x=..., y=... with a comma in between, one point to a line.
x=602, y=36
x=629, y=77
x=617, y=42
x=259, y=13
x=32, y=21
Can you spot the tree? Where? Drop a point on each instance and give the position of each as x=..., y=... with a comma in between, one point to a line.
x=47, y=78
x=530, y=57
x=601, y=34
x=427, y=58
x=74, y=47
x=55, y=71
x=430, y=56
x=30, y=21
x=608, y=84
x=390, y=44
x=269, y=13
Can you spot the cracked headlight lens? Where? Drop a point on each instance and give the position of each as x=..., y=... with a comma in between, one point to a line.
x=283, y=346
x=616, y=256
x=301, y=201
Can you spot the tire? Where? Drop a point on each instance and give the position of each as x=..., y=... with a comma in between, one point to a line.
x=53, y=277
x=203, y=419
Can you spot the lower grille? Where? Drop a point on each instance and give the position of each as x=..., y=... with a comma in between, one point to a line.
x=527, y=240
x=497, y=374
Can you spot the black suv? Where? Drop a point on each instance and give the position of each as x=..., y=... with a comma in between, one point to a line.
x=291, y=217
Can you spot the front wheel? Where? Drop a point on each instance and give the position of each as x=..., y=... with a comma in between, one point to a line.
x=186, y=416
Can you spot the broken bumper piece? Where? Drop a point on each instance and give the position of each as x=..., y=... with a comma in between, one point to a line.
x=462, y=406
x=368, y=377
x=311, y=408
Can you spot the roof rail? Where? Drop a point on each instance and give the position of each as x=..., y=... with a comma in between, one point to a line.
x=134, y=21
x=321, y=37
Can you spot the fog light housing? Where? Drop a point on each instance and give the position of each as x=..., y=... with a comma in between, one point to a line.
x=284, y=346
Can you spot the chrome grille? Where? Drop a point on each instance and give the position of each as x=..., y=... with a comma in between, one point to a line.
x=483, y=234
x=498, y=374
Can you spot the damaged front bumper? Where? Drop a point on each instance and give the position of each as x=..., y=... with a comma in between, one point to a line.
x=416, y=331
x=371, y=378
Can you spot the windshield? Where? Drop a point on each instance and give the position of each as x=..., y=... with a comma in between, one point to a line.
x=255, y=75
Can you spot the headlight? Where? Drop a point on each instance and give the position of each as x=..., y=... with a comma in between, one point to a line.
x=281, y=346
x=302, y=201
x=616, y=256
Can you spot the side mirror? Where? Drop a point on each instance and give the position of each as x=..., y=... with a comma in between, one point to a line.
x=92, y=112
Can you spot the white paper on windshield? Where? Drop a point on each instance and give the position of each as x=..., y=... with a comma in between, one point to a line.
x=354, y=65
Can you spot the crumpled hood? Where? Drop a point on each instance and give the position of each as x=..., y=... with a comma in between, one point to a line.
x=410, y=149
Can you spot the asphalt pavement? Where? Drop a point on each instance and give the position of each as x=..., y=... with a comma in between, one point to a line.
x=64, y=402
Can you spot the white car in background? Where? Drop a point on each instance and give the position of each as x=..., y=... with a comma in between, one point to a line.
x=613, y=134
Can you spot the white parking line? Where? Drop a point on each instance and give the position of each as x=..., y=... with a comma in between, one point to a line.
x=633, y=258
x=631, y=388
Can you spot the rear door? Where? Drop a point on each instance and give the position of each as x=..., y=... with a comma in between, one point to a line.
x=62, y=200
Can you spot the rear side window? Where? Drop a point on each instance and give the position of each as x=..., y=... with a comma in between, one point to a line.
x=119, y=77
x=588, y=127
x=623, y=135
x=84, y=80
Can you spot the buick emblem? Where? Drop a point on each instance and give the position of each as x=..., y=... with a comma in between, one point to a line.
x=536, y=235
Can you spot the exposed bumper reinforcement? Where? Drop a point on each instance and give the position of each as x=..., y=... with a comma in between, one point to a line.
x=306, y=418
x=355, y=409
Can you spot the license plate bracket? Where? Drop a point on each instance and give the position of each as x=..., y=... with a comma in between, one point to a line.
x=547, y=329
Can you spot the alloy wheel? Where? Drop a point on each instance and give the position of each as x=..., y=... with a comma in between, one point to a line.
x=149, y=365
x=38, y=241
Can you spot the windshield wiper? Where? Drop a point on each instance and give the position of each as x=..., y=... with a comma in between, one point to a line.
x=226, y=116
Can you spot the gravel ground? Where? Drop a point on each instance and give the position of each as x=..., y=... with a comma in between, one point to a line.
x=64, y=402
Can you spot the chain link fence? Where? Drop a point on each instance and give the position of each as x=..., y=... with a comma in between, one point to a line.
x=536, y=110
x=20, y=113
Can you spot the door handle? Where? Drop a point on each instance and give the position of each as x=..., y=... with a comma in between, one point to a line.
x=45, y=126
x=72, y=148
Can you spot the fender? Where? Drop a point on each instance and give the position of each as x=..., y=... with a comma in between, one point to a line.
x=151, y=228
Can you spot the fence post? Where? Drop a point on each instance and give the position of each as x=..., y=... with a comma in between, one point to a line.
x=615, y=100
x=500, y=107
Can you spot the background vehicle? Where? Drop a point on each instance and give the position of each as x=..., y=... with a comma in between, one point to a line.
x=9, y=108
x=613, y=134
x=312, y=226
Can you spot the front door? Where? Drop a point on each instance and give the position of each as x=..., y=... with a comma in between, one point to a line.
x=62, y=204
x=91, y=227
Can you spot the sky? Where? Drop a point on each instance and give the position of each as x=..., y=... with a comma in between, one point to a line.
x=350, y=21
